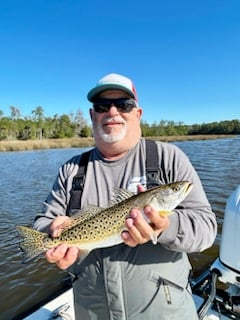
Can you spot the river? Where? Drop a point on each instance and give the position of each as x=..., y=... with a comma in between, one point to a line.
x=26, y=179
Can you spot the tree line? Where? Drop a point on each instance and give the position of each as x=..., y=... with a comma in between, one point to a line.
x=37, y=126
x=171, y=128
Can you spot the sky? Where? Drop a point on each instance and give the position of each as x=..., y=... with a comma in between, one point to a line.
x=182, y=55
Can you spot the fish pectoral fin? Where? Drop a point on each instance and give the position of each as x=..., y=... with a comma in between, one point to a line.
x=154, y=238
x=165, y=213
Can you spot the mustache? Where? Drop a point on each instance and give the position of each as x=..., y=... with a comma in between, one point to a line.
x=109, y=120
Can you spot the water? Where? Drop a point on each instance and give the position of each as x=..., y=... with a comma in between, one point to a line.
x=26, y=179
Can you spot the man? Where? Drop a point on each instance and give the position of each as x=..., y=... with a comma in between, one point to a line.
x=135, y=279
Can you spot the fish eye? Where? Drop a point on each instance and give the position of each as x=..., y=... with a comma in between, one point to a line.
x=176, y=188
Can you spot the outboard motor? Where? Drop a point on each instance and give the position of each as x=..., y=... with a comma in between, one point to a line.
x=227, y=267
x=230, y=244
x=228, y=263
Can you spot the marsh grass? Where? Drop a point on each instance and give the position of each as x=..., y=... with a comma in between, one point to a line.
x=17, y=145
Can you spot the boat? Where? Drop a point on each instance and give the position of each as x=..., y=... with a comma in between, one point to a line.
x=222, y=301
x=213, y=301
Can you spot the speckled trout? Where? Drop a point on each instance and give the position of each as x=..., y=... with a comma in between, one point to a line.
x=96, y=227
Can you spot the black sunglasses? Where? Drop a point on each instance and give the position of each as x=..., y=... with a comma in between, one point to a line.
x=123, y=105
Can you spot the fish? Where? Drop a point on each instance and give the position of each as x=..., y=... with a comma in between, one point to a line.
x=95, y=227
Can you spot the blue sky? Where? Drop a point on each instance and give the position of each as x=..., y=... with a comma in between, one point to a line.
x=183, y=56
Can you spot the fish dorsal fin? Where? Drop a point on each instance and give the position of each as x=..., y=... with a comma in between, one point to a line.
x=120, y=195
x=81, y=216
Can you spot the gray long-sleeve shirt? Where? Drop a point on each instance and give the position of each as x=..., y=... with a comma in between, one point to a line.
x=133, y=283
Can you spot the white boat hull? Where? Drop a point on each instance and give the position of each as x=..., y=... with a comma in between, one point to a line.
x=59, y=308
x=62, y=308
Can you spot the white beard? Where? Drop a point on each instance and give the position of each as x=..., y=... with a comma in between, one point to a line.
x=109, y=137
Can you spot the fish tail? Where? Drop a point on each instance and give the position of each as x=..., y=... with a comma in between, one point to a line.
x=32, y=242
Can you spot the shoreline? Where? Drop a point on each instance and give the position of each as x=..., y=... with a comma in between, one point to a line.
x=19, y=145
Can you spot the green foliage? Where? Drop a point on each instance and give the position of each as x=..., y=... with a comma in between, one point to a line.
x=85, y=132
x=37, y=126
x=164, y=128
x=170, y=128
x=63, y=127
x=222, y=127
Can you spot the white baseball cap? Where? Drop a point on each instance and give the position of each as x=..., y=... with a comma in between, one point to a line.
x=113, y=81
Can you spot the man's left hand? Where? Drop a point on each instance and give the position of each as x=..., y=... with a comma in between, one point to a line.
x=139, y=230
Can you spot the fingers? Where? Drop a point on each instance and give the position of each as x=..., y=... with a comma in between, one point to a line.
x=55, y=227
x=63, y=256
x=158, y=222
x=139, y=230
x=140, y=188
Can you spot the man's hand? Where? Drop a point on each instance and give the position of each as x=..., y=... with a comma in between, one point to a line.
x=139, y=231
x=63, y=255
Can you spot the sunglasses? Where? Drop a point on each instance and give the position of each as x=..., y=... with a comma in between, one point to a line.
x=123, y=105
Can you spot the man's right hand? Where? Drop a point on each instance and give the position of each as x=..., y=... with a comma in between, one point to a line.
x=63, y=255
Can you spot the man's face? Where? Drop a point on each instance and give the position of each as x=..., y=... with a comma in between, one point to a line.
x=115, y=125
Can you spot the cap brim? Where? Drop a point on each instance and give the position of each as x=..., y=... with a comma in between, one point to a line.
x=97, y=90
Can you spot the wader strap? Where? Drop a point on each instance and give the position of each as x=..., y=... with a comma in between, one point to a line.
x=152, y=164
x=152, y=175
x=78, y=184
